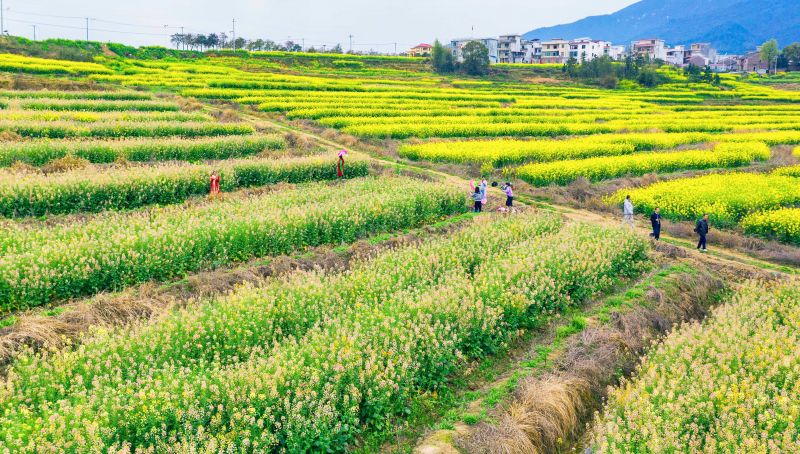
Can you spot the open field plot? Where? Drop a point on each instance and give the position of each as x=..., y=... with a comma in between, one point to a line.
x=483, y=324
x=721, y=386
x=359, y=344
x=82, y=257
x=548, y=122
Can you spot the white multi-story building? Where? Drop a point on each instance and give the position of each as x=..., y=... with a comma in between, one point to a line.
x=510, y=49
x=457, y=45
x=555, y=51
x=654, y=49
x=676, y=55
x=705, y=50
x=615, y=52
x=587, y=49
x=533, y=51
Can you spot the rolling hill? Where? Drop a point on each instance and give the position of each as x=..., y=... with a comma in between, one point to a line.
x=732, y=26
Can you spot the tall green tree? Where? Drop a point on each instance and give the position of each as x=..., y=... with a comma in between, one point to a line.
x=769, y=52
x=441, y=58
x=792, y=53
x=476, y=58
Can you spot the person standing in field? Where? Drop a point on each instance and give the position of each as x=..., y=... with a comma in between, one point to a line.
x=701, y=228
x=655, y=221
x=480, y=188
x=627, y=212
x=508, y=188
x=214, y=183
x=477, y=196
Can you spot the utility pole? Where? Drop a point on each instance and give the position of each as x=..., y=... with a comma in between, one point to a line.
x=34, y=32
x=303, y=49
x=87, y=29
x=395, y=48
x=351, y=43
x=2, y=20
x=234, y=35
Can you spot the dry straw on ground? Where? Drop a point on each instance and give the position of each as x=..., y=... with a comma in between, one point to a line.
x=547, y=412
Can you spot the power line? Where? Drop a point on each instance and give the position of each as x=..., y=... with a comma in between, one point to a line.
x=44, y=15
x=73, y=27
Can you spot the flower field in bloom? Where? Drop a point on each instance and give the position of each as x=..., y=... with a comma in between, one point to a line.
x=93, y=190
x=725, y=197
x=782, y=225
x=42, y=114
x=38, y=153
x=312, y=361
x=96, y=105
x=112, y=250
x=503, y=152
x=729, y=384
x=430, y=105
x=19, y=63
x=723, y=155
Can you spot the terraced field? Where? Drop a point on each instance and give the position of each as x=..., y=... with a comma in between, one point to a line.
x=359, y=308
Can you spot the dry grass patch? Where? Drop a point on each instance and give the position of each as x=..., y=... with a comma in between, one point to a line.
x=547, y=412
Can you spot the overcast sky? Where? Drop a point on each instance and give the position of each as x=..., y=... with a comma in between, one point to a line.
x=374, y=24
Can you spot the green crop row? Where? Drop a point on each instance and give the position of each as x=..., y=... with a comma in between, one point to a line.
x=109, y=130
x=729, y=384
x=113, y=250
x=100, y=106
x=313, y=361
x=53, y=94
x=99, y=190
x=38, y=153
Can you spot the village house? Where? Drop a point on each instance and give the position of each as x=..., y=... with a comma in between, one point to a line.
x=705, y=50
x=510, y=49
x=555, y=51
x=752, y=62
x=420, y=50
x=677, y=55
x=615, y=52
x=653, y=49
x=457, y=46
x=587, y=49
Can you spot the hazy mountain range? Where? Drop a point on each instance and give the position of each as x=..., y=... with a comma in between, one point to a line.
x=732, y=26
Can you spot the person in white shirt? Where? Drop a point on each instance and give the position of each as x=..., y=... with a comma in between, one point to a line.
x=627, y=212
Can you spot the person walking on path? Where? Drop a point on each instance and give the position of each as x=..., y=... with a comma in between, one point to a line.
x=508, y=188
x=655, y=220
x=477, y=196
x=627, y=212
x=702, y=230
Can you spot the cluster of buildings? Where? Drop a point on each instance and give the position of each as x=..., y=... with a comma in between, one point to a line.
x=516, y=49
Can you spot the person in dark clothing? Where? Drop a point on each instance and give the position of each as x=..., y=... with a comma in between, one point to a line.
x=655, y=220
x=478, y=196
x=702, y=230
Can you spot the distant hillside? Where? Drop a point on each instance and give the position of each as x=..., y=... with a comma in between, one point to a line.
x=732, y=26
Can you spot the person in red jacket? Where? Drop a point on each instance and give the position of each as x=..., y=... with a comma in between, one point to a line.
x=214, y=183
